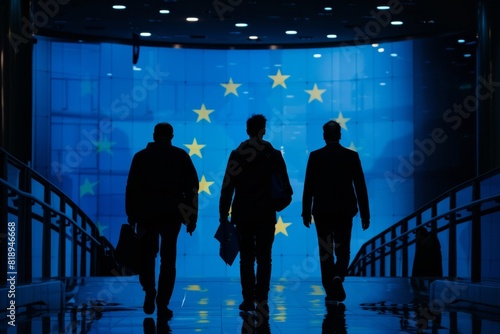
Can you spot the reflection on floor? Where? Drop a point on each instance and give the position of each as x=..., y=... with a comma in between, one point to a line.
x=373, y=305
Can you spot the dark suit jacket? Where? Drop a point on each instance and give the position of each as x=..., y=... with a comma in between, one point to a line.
x=248, y=178
x=334, y=184
x=161, y=179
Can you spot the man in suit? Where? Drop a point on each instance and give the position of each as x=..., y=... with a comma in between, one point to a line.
x=161, y=195
x=248, y=178
x=334, y=189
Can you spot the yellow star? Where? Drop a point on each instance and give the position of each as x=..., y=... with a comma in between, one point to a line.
x=317, y=291
x=205, y=185
x=352, y=147
x=279, y=288
x=100, y=227
x=315, y=93
x=104, y=145
x=230, y=302
x=203, y=113
x=279, y=79
x=281, y=227
x=342, y=121
x=195, y=287
x=87, y=188
x=195, y=148
x=231, y=87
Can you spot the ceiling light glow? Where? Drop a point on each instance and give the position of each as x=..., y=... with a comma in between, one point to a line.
x=461, y=40
x=241, y=25
x=383, y=7
x=331, y=36
x=253, y=37
x=317, y=55
x=328, y=8
x=145, y=34
x=397, y=23
x=191, y=19
x=119, y=7
x=164, y=11
x=291, y=32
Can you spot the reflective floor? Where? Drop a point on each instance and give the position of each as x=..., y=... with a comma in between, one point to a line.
x=373, y=305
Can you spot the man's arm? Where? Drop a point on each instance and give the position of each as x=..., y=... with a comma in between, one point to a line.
x=132, y=192
x=307, y=194
x=189, y=208
x=361, y=193
x=233, y=168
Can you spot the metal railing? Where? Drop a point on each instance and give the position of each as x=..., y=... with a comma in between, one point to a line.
x=54, y=238
x=388, y=253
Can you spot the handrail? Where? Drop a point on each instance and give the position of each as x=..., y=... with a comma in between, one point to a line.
x=380, y=248
x=46, y=206
x=78, y=240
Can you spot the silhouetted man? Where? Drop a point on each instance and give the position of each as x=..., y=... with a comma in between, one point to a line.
x=161, y=195
x=334, y=188
x=248, y=177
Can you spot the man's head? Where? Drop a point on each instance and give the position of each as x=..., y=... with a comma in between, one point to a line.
x=331, y=131
x=256, y=126
x=163, y=131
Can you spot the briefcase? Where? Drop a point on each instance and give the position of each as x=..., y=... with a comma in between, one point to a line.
x=127, y=251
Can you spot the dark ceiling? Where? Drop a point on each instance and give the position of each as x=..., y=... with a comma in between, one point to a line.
x=353, y=21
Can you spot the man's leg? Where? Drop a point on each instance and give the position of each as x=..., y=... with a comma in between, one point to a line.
x=342, y=238
x=149, y=249
x=264, y=239
x=168, y=254
x=327, y=264
x=247, y=262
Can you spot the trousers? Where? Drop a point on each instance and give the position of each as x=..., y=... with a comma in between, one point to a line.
x=334, y=241
x=256, y=242
x=150, y=244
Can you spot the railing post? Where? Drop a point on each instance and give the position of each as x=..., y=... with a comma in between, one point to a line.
x=46, y=234
x=74, y=245
x=393, y=264
x=452, y=239
x=61, y=267
x=373, y=266
x=404, y=249
x=476, y=235
x=24, y=230
x=83, y=253
x=4, y=216
x=382, y=258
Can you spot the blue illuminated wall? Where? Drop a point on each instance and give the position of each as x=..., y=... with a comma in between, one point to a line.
x=94, y=110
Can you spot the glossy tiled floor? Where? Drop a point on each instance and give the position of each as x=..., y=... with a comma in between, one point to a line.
x=373, y=305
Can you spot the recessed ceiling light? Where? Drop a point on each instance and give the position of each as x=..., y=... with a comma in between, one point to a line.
x=331, y=36
x=317, y=55
x=461, y=41
x=467, y=55
x=164, y=11
x=397, y=23
x=383, y=7
x=145, y=34
x=328, y=8
x=241, y=25
x=381, y=50
x=191, y=19
x=394, y=54
x=253, y=37
x=374, y=45
x=291, y=32
x=119, y=7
